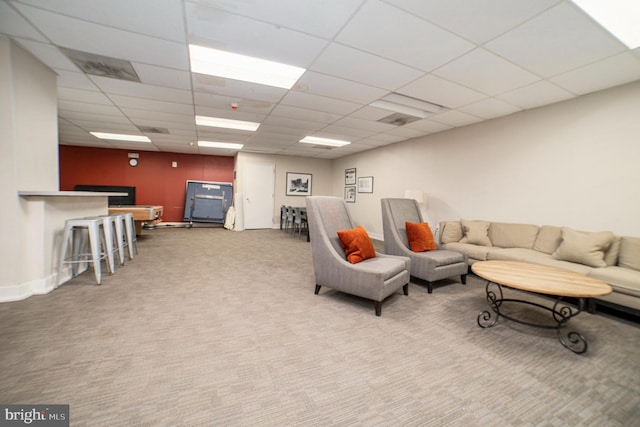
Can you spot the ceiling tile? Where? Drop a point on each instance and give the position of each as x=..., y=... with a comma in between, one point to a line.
x=442, y=92
x=163, y=76
x=613, y=71
x=536, y=95
x=79, y=95
x=165, y=22
x=49, y=55
x=289, y=112
x=107, y=41
x=369, y=125
x=227, y=113
x=477, y=20
x=322, y=18
x=489, y=108
x=75, y=80
x=233, y=33
x=429, y=126
x=224, y=103
x=334, y=87
x=151, y=104
x=491, y=74
x=352, y=64
x=455, y=118
x=556, y=41
x=107, y=110
x=235, y=88
x=319, y=103
x=124, y=87
x=293, y=124
x=406, y=46
x=15, y=25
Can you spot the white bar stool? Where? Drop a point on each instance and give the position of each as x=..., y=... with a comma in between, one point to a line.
x=81, y=231
x=130, y=228
x=117, y=226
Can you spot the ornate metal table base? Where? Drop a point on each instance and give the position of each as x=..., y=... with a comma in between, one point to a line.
x=561, y=314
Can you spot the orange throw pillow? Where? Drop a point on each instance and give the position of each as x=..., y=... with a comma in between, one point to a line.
x=420, y=237
x=356, y=244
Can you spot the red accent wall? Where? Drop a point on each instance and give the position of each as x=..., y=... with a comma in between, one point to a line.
x=156, y=181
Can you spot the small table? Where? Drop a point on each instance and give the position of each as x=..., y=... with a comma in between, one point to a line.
x=539, y=279
x=141, y=214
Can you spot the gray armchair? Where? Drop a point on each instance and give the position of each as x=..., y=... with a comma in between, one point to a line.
x=374, y=278
x=429, y=266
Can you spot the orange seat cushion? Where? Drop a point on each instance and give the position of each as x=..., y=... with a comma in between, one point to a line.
x=420, y=237
x=356, y=244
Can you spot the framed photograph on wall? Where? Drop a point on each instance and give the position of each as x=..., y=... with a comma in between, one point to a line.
x=298, y=184
x=350, y=176
x=350, y=194
x=365, y=184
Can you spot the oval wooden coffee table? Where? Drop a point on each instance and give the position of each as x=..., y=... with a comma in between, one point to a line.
x=539, y=279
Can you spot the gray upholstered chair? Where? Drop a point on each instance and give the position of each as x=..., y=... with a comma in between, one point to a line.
x=374, y=278
x=429, y=266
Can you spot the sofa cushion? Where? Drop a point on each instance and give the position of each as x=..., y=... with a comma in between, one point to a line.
x=535, y=257
x=548, y=239
x=357, y=244
x=629, y=256
x=506, y=235
x=584, y=248
x=420, y=237
x=611, y=254
x=475, y=232
x=472, y=251
x=451, y=231
x=623, y=280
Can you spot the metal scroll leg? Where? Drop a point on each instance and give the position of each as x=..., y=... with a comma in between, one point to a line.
x=486, y=319
x=572, y=340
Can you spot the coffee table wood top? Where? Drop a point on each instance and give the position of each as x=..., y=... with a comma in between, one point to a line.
x=541, y=279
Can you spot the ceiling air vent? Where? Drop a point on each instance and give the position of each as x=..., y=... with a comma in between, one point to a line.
x=151, y=129
x=398, y=119
x=104, y=66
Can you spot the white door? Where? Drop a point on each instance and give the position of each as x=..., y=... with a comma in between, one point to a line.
x=259, y=184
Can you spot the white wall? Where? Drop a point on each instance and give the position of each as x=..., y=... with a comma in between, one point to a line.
x=320, y=169
x=28, y=149
x=575, y=163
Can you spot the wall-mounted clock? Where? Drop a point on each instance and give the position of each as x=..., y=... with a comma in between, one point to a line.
x=133, y=162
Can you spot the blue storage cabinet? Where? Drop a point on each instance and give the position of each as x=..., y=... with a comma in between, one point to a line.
x=207, y=201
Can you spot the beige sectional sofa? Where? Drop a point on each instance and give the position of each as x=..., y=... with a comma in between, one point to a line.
x=602, y=255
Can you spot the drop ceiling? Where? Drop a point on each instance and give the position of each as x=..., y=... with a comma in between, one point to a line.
x=481, y=59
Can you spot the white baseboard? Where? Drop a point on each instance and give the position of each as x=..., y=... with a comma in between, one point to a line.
x=24, y=290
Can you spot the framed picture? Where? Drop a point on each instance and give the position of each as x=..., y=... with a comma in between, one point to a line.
x=365, y=184
x=350, y=194
x=350, y=176
x=298, y=184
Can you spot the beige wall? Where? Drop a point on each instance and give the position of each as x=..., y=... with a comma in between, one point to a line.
x=575, y=163
x=320, y=169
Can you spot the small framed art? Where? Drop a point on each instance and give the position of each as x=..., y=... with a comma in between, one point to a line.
x=365, y=184
x=350, y=176
x=350, y=194
x=298, y=184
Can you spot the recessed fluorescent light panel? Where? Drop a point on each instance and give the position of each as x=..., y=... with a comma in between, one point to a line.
x=219, y=63
x=324, y=141
x=213, y=144
x=217, y=122
x=620, y=17
x=120, y=137
x=408, y=105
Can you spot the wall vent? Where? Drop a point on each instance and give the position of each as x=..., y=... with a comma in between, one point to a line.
x=398, y=119
x=104, y=66
x=152, y=129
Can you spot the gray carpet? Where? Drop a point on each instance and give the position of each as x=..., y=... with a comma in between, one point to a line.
x=212, y=327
